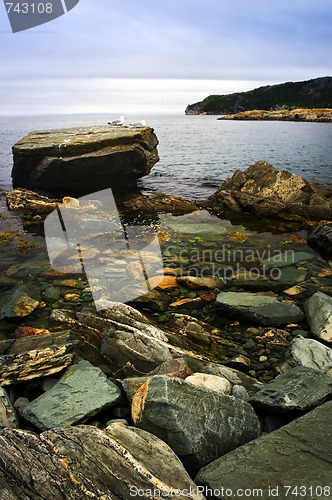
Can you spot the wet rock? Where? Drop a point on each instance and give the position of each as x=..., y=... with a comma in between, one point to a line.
x=89, y=159
x=267, y=464
x=158, y=203
x=177, y=368
x=38, y=356
x=300, y=389
x=28, y=201
x=210, y=382
x=87, y=462
x=29, y=331
x=195, y=283
x=154, y=300
x=286, y=277
x=20, y=301
x=309, y=353
x=82, y=392
x=321, y=238
x=286, y=259
x=198, y=424
x=187, y=303
x=266, y=191
x=8, y=416
x=319, y=315
x=235, y=377
x=264, y=310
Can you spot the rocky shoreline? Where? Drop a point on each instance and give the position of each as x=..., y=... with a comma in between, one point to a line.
x=321, y=115
x=212, y=382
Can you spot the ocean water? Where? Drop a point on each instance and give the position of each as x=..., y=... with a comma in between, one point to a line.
x=198, y=152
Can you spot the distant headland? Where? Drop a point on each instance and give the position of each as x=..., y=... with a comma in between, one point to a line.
x=309, y=100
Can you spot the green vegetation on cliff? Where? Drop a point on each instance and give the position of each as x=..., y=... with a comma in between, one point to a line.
x=315, y=93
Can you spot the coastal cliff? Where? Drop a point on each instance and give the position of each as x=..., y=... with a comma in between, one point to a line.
x=316, y=93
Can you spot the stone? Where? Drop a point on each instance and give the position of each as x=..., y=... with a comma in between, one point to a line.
x=239, y=391
x=318, y=310
x=195, y=283
x=235, y=377
x=87, y=462
x=286, y=259
x=198, y=424
x=187, y=303
x=157, y=203
x=175, y=368
x=20, y=301
x=300, y=389
x=153, y=299
x=266, y=191
x=78, y=161
x=309, y=353
x=264, y=310
x=210, y=382
x=320, y=237
x=268, y=464
x=286, y=277
x=26, y=201
x=29, y=331
x=8, y=416
x=82, y=392
x=37, y=356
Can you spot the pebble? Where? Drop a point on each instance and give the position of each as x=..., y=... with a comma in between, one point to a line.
x=72, y=297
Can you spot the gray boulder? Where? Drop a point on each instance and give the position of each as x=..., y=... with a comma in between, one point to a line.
x=260, y=309
x=79, y=161
x=298, y=389
x=82, y=392
x=86, y=462
x=309, y=353
x=198, y=424
x=319, y=315
x=296, y=458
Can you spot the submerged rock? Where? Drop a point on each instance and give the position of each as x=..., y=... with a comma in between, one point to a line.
x=20, y=301
x=300, y=389
x=261, y=309
x=266, y=191
x=78, y=161
x=198, y=424
x=82, y=392
x=290, y=459
x=87, y=462
x=319, y=315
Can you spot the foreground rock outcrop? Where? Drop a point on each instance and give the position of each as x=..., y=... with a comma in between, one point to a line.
x=266, y=191
x=86, y=462
x=78, y=161
x=296, y=456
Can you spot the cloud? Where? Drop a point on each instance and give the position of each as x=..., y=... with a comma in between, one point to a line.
x=256, y=41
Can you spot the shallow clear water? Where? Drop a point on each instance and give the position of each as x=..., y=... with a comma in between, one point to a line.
x=197, y=152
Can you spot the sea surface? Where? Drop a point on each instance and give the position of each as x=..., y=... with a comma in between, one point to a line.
x=198, y=152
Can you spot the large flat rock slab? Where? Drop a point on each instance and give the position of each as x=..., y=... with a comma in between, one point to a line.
x=82, y=392
x=293, y=462
x=77, y=161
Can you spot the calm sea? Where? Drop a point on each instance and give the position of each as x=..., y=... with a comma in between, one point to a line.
x=198, y=152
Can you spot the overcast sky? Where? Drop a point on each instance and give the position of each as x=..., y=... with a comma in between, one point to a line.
x=130, y=56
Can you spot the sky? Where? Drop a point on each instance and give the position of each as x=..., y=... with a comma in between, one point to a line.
x=152, y=56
